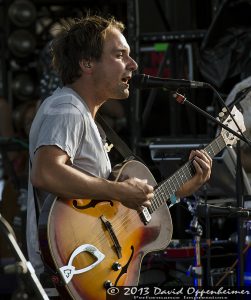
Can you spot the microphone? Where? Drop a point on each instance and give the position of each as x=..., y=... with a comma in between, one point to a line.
x=143, y=81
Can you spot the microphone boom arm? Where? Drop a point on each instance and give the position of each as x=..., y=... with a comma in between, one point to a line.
x=183, y=100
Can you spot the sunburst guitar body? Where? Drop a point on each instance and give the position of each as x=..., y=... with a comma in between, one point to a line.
x=96, y=244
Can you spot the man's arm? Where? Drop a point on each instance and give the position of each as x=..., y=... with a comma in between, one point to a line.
x=51, y=172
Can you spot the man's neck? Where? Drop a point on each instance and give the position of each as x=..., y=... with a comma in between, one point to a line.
x=86, y=94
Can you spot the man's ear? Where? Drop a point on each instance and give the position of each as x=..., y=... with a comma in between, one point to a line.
x=85, y=65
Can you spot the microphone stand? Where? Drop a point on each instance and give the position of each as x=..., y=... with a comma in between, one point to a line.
x=240, y=270
x=240, y=221
x=24, y=267
x=182, y=100
x=196, y=231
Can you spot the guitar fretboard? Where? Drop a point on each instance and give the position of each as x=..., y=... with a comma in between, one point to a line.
x=168, y=187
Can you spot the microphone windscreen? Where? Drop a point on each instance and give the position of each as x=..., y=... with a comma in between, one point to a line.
x=137, y=81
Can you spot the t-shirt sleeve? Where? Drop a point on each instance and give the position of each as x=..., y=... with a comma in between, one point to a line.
x=63, y=127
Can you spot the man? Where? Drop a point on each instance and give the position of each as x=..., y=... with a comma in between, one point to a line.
x=67, y=155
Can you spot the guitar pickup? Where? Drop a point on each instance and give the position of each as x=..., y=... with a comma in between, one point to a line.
x=145, y=216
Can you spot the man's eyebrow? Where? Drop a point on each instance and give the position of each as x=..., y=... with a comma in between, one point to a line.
x=122, y=49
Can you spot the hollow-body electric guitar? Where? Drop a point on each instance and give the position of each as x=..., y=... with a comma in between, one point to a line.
x=93, y=245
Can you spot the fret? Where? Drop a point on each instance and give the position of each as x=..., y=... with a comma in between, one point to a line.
x=154, y=205
x=174, y=187
x=210, y=152
x=190, y=168
x=216, y=146
x=182, y=177
x=167, y=190
x=157, y=200
x=177, y=180
x=183, y=169
x=160, y=196
x=165, y=193
x=219, y=147
x=159, y=193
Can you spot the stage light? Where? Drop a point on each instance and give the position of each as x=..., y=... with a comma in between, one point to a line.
x=23, y=86
x=21, y=43
x=22, y=13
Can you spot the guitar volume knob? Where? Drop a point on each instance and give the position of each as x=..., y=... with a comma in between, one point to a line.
x=116, y=266
x=108, y=284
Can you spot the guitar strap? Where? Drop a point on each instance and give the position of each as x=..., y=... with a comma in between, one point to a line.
x=118, y=143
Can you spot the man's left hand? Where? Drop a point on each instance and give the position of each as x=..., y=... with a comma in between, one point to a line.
x=203, y=165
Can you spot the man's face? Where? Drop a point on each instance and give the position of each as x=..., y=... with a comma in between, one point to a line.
x=113, y=71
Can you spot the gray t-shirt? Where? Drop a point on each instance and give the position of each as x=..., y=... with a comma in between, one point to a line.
x=64, y=120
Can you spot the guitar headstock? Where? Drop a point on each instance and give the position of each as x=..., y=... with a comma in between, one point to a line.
x=228, y=137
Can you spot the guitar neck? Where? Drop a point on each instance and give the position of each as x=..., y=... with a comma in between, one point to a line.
x=169, y=186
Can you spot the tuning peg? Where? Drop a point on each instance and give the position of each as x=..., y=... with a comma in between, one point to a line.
x=224, y=109
x=221, y=114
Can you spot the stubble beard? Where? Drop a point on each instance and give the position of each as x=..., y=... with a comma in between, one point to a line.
x=123, y=91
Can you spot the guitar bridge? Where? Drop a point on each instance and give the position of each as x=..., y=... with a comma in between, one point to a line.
x=108, y=226
x=145, y=216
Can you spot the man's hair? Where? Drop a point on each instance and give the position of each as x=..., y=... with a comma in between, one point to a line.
x=80, y=39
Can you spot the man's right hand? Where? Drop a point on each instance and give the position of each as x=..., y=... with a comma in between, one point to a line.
x=135, y=193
